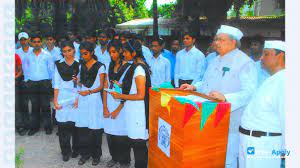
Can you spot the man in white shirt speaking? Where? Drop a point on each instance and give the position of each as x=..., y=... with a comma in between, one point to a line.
x=231, y=77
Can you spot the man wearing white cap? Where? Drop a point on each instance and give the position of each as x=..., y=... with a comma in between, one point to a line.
x=263, y=121
x=231, y=77
x=22, y=121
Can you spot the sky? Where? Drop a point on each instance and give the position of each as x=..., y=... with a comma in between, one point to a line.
x=148, y=3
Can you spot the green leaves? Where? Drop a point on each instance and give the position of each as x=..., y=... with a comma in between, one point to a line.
x=19, y=162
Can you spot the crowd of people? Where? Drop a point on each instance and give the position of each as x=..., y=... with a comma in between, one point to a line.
x=99, y=84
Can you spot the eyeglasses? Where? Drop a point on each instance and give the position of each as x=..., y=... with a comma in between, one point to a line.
x=102, y=36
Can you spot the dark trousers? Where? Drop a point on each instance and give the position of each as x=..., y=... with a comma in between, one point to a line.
x=180, y=81
x=21, y=104
x=140, y=151
x=90, y=142
x=66, y=131
x=119, y=148
x=40, y=99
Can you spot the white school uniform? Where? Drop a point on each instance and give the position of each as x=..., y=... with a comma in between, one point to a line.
x=118, y=125
x=66, y=91
x=90, y=107
x=135, y=111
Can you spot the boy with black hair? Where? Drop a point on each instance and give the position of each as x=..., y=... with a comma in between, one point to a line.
x=190, y=62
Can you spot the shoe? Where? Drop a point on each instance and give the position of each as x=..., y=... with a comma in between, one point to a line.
x=22, y=131
x=82, y=161
x=66, y=158
x=48, y=131
x=57, y=133
x=111, y=163
x=96, y=161
x=32, y=132
x=74, y=154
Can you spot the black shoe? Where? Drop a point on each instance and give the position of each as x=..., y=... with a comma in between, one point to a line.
x=82, y=161
x=111, y=163
x=48, y=131
x=96, y=161
x=74, y=154
x=22, y=131
x=66, y=158
x=32, y=132
x=57, y=134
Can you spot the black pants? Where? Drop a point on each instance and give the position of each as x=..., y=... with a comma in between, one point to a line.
x=119, y=148
x=180, y=81
x=21, y=104
x=140, y=151
x=90, y=142
x=66, y=130
x=40, y=99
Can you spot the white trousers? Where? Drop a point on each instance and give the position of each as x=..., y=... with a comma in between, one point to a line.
x=257, y=152
x=232, y=150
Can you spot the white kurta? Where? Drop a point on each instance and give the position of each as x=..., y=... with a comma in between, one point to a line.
x=190, y=65
x=135, y=111
x=161, y=70
x=238, y=84
x=266, y=113
x=118, y=125
x=262, y=74
x=66, y=93
x=90, y=107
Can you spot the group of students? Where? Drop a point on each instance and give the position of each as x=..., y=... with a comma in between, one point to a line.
x=84, y=109
x=103, y=88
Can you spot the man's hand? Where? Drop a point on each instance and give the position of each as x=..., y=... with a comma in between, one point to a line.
x=217, y=95
x=187, y=87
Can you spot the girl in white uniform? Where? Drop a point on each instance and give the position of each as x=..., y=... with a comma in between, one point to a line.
x=115, y=124
x=66, y=100
x=136, y=84
x=90, y=108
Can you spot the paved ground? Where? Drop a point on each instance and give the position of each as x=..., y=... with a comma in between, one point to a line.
x=42, y=151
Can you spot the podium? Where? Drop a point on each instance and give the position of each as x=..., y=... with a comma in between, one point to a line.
x=177, y=137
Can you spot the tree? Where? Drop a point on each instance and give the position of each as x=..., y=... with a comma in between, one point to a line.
x=165, y=10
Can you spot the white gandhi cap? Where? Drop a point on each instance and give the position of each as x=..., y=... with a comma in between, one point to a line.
x=23, y=35
x=275, y=44
x=235, y=32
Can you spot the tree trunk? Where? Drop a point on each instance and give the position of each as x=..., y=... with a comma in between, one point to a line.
x=155, y=19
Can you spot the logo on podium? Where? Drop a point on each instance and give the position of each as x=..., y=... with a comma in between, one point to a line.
x=164, y=136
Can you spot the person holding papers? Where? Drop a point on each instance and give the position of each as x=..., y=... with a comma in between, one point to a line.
x=66, y=100
x=90, y=108
x=115, y=117
x=135, y=86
